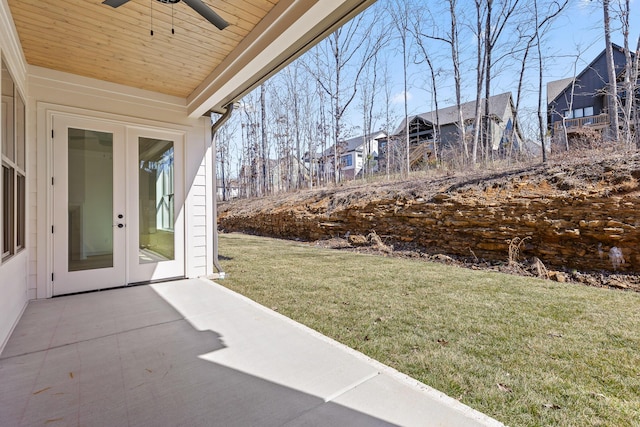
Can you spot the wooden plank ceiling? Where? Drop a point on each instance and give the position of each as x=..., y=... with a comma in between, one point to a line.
x=87, y=38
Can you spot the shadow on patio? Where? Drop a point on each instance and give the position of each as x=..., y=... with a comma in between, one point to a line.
x=192, y=353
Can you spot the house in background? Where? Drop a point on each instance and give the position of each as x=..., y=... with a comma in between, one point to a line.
x=229, y=190
x=582, y=102
x=107, y=153
x=504, y=129
x=359, y=154
x=355, y=156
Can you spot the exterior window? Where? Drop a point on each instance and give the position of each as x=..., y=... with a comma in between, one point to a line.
x=577, y=113
x=7, y=212
x=568, y=114
x=347, y=160
x=12, y=180
x=588, y=111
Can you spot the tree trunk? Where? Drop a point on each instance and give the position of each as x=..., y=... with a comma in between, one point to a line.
x=612, y=98
x=455, y=59
x=486, y=120
x=407, y=145
x=263, y=119
x=481, y=64
x=540, y=117
x=628, y=82
x=635, y=109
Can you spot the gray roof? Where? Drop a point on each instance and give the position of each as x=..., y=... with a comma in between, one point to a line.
x=354, y=143
x=498, y=104
x=558, y=90
x=556, y=87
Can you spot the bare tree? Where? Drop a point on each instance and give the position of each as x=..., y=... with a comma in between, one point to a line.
x=399, y=11
x=293, y=92
x=250, y=127
x=388, y=114
x=541, y=22
x=495, y=24
x=630, y=80
x=481, y=65
x=309, y=128
x=452, y=40
x=345, y=54
x=263, y=148
x=635, y=105
x=612, y=91
x=368, y=92
x=434, y=89
x=455, y=59
x=224, y=138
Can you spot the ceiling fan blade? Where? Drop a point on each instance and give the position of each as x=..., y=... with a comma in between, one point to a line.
x=114, y=3
x=206, y=13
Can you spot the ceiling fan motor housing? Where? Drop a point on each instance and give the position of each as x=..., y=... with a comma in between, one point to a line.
x=201, y=8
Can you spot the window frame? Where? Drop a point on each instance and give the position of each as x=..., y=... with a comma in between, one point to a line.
x=13, y=182
x=347, y=160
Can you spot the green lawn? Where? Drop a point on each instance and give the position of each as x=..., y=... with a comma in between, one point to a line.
x=524, y=351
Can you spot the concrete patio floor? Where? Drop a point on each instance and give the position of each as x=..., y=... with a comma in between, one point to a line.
x=192, y=353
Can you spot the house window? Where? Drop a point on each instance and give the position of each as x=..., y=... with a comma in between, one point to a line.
x=347, y=160
x=13, y=182
x=578, y=113
x=568, y=114
x=7, y=211
x=588, y=111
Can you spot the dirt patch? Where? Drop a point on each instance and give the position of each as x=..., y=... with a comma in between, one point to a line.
x=529, y=268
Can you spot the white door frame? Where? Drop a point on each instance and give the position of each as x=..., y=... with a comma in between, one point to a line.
x=125, y=182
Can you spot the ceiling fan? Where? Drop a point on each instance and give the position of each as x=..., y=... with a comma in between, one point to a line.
x=196, y=5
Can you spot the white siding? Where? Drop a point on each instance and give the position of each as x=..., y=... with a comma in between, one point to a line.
x=197, y=265
x=13, y=272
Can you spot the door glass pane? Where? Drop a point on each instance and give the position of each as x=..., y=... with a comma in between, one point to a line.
x=90, y=200
x=156, y=200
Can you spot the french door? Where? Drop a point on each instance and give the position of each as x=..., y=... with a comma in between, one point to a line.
x=117, y=205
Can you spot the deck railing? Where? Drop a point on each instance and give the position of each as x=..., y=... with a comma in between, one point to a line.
x=594, y=122
x=419, y=152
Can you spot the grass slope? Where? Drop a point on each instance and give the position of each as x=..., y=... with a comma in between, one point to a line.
x=524, y=351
